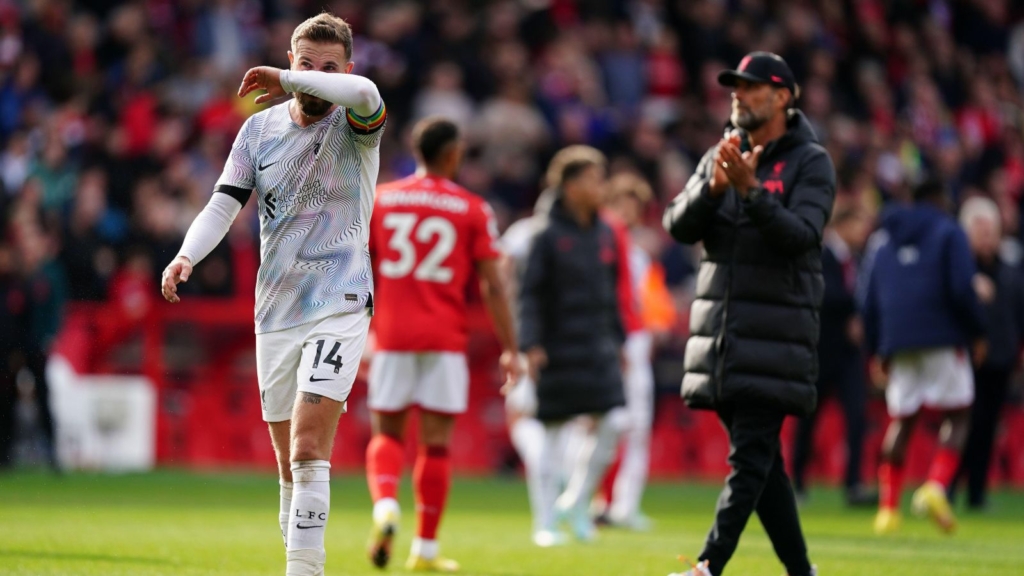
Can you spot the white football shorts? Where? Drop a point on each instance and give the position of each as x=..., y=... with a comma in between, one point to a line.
x=434, y=381
x=940, y=378
x=320, y=357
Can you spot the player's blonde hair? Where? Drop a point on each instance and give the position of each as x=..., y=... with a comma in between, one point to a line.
x=327, y=28
x=570, y=161
x=628, y=183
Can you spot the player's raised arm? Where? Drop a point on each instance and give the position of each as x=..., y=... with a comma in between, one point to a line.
x=349, y=90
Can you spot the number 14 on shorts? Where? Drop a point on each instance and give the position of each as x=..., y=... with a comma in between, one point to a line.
x=332, y=358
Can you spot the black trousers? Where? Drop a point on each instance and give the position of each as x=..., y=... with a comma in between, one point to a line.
x=846, y=380
x=758, y=482
x=990, y=389
x=8, y=399
x=36, y=361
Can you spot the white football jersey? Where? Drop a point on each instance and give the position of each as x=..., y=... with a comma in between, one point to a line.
x=315, y=188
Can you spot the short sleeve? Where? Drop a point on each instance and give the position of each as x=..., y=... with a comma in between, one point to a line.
x=367, y=131
x=239, y=170
x=485, y=233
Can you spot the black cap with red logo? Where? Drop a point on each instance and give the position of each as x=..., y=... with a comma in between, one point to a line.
x=762, y=68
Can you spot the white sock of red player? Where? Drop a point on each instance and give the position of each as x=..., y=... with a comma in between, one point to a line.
x=311, y=505
x=528, y=438
x=285, y=510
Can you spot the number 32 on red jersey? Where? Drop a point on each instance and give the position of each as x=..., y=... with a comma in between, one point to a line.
x=405, y=227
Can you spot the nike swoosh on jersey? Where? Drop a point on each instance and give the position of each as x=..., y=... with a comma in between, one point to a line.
x=311, y=379
x=300, y=526
x=263, y=167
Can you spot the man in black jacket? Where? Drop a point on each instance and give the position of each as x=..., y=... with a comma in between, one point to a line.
x=571, y=330
x=13, y=345
x=1000, y=289
x=758, y=201
x=840, y=351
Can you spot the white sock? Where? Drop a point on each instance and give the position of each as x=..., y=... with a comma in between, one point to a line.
x=632, y=477
x=638, y=384
x=426, y=549
x=592, y=462
x=311, y=505
x=571, y=441
x=549, y=476
x=528, y=438
x=285, y=510
x=383, y=507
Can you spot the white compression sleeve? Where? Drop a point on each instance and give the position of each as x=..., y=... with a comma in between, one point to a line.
x=209, y=227
x=348, y=90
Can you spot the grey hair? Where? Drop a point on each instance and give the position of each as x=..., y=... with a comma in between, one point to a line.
x=980, y=207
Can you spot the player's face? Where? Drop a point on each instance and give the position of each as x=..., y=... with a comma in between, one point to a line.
x=983, y=235
x=321, y=57
x=588, y=189
x=628, y=207
x=753, y=104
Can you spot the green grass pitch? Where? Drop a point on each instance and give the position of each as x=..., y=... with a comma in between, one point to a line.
x=177, y=523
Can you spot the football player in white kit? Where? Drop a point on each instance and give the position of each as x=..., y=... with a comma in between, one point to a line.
x=313, y=162
x=629, y=194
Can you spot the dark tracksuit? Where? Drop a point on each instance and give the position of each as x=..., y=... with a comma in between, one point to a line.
x=752, y=354
x=568, y=305
x=13, y=348
x=1005, y=317
x=842, y=366
x=47, y=294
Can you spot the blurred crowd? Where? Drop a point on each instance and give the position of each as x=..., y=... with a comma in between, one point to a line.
x=116, y=117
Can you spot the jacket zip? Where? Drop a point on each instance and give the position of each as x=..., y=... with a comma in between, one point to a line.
x=721, y=340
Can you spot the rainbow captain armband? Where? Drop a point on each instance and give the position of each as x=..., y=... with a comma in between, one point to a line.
x=370, y=124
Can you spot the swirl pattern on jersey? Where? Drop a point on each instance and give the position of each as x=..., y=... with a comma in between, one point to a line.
x=315, y=189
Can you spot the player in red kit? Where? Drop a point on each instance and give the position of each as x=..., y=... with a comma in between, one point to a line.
x=427, y=237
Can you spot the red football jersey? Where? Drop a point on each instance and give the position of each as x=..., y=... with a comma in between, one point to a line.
x=426, y=236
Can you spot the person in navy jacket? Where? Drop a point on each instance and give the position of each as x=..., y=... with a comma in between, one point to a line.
x=921, y=316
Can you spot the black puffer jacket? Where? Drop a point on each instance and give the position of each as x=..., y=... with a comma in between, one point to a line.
x=755, y=321
x=568, y=305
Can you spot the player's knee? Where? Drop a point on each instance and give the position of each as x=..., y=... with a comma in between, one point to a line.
x=304, y=448
x=435, y=437
x=436, y=429
x=894, y=451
